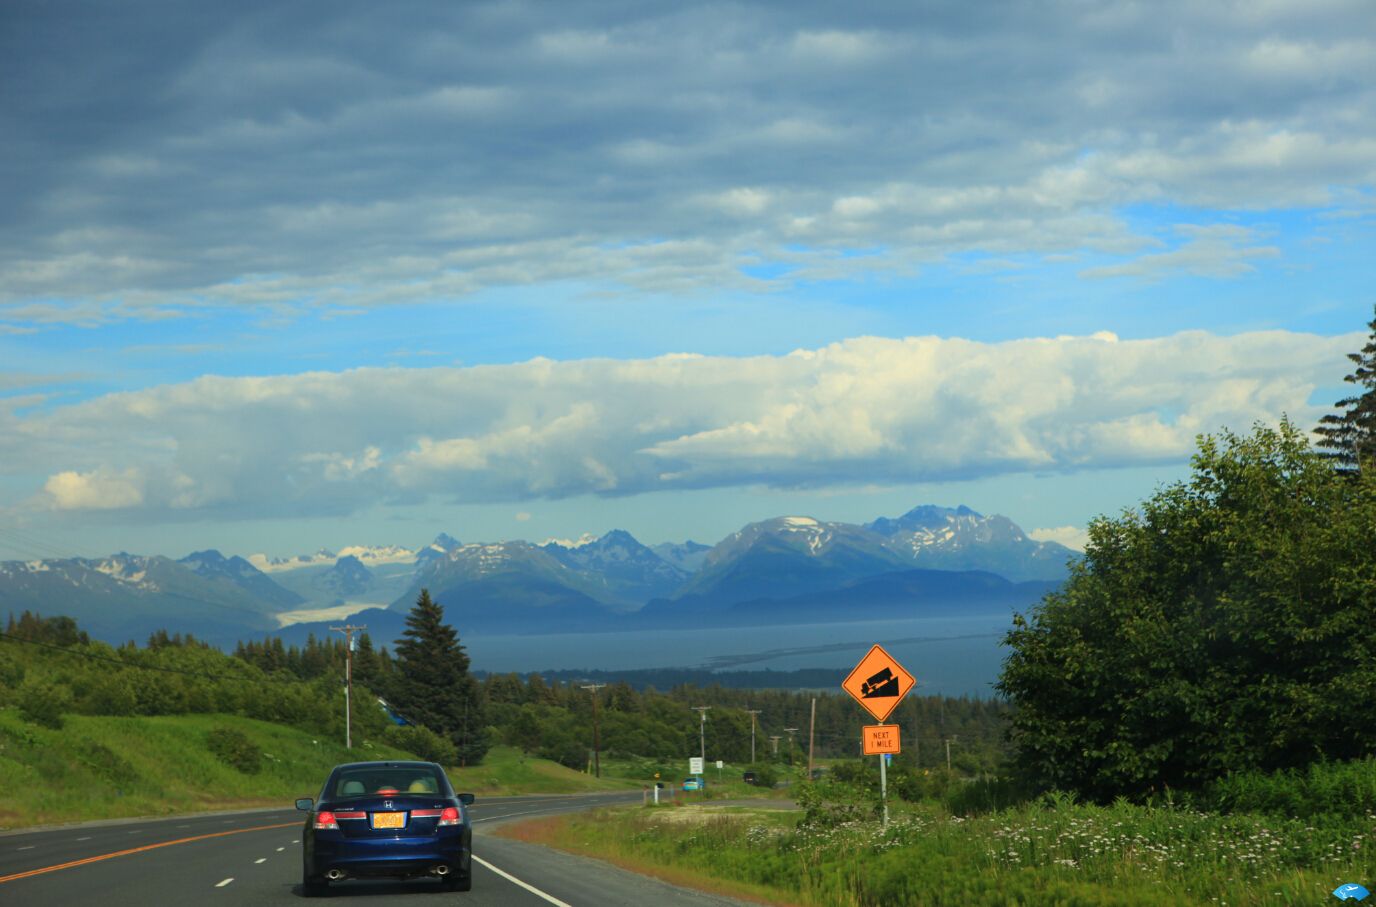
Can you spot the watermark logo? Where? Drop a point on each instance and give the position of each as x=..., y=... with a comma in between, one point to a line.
x=1350, y=891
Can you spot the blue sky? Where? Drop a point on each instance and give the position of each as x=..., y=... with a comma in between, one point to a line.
x=275, y=278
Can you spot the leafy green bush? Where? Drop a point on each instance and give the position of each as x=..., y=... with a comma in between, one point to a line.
x=235, y=749
x=1339, y=789
x=424, y=742
x=42, y=702
x=106, y=763
x=766, y=775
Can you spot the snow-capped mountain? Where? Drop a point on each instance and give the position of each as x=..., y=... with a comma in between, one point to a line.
x=771, y=569
x=127, y=596
x=368, y=555
x=788, y=556
x=348, y=578
x=507, y=584
x=687, y=556
x=212, y=564
x=942, y=538
x=624, y=571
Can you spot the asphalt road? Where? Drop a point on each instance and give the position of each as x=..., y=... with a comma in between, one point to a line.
x=253, y=858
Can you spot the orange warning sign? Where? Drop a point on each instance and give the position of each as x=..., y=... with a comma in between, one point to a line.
x=880, y=739
x=879, y=683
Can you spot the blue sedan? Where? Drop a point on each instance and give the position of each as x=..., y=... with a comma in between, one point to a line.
x=387, y=819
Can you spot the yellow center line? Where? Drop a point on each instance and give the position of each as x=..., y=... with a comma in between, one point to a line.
x=125, y=853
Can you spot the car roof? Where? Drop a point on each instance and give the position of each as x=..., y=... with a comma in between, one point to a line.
x=388, y=764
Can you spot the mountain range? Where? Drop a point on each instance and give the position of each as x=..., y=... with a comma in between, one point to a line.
x=930, y=560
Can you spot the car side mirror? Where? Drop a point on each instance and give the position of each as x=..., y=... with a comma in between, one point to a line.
x=305, y=803
x=466, y=799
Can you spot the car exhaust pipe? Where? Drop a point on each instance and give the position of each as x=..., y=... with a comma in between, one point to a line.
x=439, y=869
x=334, y=875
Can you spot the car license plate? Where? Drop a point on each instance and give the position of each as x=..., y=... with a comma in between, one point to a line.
x=389, y=820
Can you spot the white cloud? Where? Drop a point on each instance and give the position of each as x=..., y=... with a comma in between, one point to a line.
x=1069, y=536
x=863, y=411
x=357, y=158
x=97, y=490
x=1216, y=250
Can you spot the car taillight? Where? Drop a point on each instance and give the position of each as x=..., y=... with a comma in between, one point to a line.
x=450, y=816
x=325, y=819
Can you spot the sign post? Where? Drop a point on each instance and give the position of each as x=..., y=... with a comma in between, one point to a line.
x=879, y=683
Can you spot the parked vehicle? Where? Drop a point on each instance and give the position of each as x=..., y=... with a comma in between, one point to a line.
x=386, y=819
x=694, y=784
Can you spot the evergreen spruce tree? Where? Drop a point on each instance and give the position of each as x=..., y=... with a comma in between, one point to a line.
x=1348, y=437
x=433, y=686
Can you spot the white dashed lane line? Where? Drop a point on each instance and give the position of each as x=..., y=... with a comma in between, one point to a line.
x=280, y=849
x=28, y=847
x=224, y=883
x=260, y=860
x=87, y=838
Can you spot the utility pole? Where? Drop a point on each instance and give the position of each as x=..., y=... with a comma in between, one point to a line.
x=948, y=750
x=811, y=736
x=702, y=732
x=349, y=630
x=752, y=713
x=790, y=731
x=774, y=741
x=596, y=742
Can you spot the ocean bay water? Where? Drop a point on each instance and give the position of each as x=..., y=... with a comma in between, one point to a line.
x=948, y=655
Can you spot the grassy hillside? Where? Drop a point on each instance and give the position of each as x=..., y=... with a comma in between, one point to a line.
x=506, y=770
x=108, y=767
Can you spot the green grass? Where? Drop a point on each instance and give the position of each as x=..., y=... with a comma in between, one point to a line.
x=107, y=767
x=505, y=770
x=1064, y=853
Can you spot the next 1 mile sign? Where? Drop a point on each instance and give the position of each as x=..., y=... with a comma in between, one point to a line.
x=879, y=683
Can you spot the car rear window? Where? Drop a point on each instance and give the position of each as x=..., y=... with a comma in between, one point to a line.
x=373, y=782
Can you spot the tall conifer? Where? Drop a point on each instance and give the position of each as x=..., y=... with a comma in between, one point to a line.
x=1348, y=437
x=433, y=686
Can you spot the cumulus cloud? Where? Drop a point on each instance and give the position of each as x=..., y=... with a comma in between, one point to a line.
x=370, y=154
x=100, y=489
x=863, y=411
x=1070, y=536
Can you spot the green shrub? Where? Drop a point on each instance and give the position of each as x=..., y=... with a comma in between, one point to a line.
x=424, y=742
x=984, y=795
x=43, y=703
x=106, y=763
x=1340, y=789
x=234, y=749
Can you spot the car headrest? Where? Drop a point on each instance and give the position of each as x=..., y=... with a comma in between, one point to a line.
x=352, y=787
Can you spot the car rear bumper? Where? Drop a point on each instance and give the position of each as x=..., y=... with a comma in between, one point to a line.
x=390, y=856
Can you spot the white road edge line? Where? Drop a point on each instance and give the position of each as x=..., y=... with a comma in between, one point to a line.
x=504, y=816
x=224, y=883
x=515, y=881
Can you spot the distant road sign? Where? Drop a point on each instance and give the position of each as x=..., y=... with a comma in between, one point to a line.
x=880, y=739
x=695, y=765
x=879, y=683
